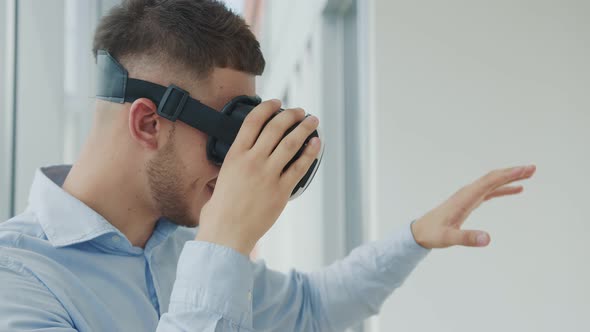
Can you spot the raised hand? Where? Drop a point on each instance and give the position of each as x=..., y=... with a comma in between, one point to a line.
x=252, y=189
x=441, y=227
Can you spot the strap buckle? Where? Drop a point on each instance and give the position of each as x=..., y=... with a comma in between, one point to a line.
x=172, y=102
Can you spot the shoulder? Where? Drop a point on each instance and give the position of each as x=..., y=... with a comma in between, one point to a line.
x=25, y=298
x=24, y=248
x=25, y=225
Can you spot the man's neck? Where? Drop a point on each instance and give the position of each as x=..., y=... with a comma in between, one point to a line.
x=114, y=191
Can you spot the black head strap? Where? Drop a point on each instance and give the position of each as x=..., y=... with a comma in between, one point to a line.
x=174, y=103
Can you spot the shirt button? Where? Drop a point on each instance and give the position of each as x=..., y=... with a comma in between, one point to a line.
x=116, y=238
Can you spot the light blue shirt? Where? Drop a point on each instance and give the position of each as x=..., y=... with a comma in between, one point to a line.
x=63, y=267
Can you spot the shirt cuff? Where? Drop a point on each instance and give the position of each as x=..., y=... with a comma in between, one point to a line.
x=400, y=251
x=216, y=279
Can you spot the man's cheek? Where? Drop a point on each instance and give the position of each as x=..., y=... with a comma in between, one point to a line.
x=193, y=185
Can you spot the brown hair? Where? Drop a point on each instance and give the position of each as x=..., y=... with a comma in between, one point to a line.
x=197, y=34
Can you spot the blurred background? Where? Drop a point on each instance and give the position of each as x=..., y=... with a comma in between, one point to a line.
x=416, y=99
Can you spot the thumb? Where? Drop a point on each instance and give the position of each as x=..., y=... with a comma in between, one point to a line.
x=468, y=238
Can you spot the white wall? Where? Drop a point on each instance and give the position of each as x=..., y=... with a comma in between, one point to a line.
x=6, y=96
x=40, y=91
x=460, y=87
x=55, y=85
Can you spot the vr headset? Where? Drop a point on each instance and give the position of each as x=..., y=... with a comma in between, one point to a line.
x=174, y=104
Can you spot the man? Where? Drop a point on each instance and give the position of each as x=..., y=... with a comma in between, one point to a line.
x=101, y=247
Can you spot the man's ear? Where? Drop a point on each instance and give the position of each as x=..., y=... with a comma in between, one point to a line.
x=144, y=123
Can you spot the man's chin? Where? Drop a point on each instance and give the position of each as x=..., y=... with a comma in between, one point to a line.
x=184, y=221
x=191, y=224
x=194, y=223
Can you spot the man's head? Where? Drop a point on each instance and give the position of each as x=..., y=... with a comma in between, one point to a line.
x=198, y=45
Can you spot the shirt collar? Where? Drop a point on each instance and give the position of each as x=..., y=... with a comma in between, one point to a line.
x=66, y=220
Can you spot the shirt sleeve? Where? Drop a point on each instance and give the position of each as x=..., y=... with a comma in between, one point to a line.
x=218, y=289
x=212, y=291
x=26, y=304
x=340, y=295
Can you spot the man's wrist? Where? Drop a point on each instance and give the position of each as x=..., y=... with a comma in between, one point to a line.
x=415, y=229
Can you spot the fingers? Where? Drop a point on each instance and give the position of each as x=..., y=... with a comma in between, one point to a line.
x=504, y=191
x=253, y=124
x=498, y=178
x=297, y=170
x=275, y=130
x=289, y=145
x=468, y=238
x=476, y=192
